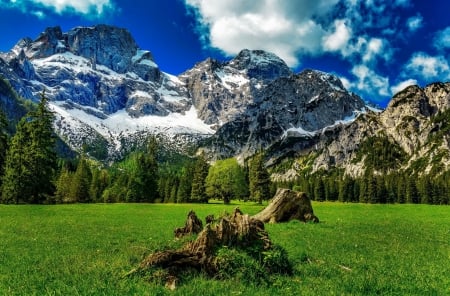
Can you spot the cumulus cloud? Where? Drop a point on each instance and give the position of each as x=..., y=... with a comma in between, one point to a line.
x=442, y=39
x=83, y=7
x=338, y=40
x=294, y=29
x=414, y=23
x=402, y=85
x=287, y=28
x=429, y=67
x=370, y=82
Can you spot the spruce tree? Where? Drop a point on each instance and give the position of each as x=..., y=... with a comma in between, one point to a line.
x=31, y=159
x=198, y=191
x=184, y=192
x=62, y=194
x=81, y=182
x=259, y=179
x=319, y=189
x=3, y=143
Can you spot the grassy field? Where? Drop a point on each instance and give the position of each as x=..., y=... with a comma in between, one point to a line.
x=357, y=249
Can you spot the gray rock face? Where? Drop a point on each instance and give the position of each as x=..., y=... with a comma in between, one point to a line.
x=408, y=122
x=220, y=91
x=292, y=106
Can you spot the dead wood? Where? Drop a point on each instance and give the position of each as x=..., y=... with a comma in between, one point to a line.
x=193, y=225
x=235, y=230
x=287, y=205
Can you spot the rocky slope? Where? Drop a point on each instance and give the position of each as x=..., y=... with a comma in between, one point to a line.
x=109, y=94
x=413, y=134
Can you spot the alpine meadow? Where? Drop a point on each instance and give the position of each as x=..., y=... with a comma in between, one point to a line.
x=246, y=174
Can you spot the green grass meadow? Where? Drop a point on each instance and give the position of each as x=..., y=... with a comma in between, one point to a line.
x=356, y=249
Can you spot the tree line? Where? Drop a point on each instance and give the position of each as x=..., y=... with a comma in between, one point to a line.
x=394, y=187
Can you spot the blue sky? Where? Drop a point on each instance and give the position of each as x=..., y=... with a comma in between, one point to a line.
x=376, y=47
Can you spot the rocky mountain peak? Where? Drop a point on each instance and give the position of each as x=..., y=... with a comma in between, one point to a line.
x=260, y=64
x=105, y=45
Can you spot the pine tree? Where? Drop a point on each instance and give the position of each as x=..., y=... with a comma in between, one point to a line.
x=142, y=184
x=198, y=189
x=3, y=143
x=185, y=185
x=319, y=189
x=259, y=179
x=99, y=182
x=81, y=182
x=62, y=194
x=148, y=171
x=31, y=159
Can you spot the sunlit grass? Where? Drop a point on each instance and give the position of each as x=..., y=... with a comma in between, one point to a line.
x=357, y=249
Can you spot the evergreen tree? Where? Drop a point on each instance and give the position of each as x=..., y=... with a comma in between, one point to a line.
x=346, y=189
x=62, y=194
x=411, y=190
x=259, y=179
x=319, y=189
x=185, y=185
x=81, y=182
x=148, y=171
x=31, y=159
x=99, y=182
x=198, y=189
x=142, y=184
x=3, y=143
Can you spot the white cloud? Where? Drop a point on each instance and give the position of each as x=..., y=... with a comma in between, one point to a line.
x=293, y=29
x=428, y=67
x=84, y=7
x=442, y=39
x=414, y=23
x=370, y=82
x=338, y=40
x=402, y=85
x=286, y=28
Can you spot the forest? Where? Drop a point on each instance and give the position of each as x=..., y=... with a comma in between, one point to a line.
x=32, y=172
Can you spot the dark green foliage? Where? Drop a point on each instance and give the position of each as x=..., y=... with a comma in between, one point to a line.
x=395, y=187
x=259, y=179
x=198, y=189
x=135, y=179
x=380, y=154
x=81, y=182
x=31, y=159
x=3, y=142
x=100, y=181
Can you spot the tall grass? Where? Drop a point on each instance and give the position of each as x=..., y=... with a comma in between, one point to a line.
x=357, y=249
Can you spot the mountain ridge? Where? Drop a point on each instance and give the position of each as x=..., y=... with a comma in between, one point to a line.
x=94, y=75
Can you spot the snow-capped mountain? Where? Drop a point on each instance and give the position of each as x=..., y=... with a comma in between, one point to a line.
x=107, y=92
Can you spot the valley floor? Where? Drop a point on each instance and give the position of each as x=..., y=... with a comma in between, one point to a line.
x=356, y=249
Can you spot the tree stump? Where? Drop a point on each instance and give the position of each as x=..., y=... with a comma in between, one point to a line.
x=287, y=205
x=193, y=225
x=235, y=230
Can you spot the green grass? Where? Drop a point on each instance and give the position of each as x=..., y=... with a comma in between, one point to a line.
x=357, y=249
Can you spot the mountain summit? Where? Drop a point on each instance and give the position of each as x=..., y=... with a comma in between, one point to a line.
x=108, y=92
